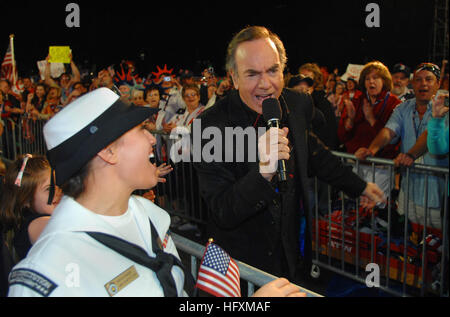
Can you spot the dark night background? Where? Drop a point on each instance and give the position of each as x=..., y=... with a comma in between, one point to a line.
x=182, y=34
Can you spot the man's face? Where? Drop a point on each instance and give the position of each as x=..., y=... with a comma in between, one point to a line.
x=27, y=83
x=105, y=78
x=259, y=74
x=400, y=82
x=4, y=87
x=153, y=98
x=425, y=85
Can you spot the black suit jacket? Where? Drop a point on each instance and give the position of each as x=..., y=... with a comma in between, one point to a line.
x=247, y=217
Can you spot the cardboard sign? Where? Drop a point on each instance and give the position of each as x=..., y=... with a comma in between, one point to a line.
x=59, y=54
x=353, y=71
x=56, y=69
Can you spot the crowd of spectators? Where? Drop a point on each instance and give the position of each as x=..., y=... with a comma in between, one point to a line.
x=349, y=115
x=344, y=119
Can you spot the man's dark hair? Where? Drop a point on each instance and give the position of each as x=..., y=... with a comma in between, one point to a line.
x=253, y=33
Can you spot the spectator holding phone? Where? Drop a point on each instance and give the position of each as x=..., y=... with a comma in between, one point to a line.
x=172, y=98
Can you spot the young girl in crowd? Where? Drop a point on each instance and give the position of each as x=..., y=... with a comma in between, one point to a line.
x=24, y=211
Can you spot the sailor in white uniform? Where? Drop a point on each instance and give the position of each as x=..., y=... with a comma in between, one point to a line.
x=101, y=241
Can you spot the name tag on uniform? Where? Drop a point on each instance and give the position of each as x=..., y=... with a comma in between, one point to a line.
x=121, y=281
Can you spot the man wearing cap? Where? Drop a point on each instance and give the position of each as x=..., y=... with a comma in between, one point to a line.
x=408, y=123
x=400, y=79
x=301, y=83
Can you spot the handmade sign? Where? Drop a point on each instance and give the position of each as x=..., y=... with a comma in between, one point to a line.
x=60, y=54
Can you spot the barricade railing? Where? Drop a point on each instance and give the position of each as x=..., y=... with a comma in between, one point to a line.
x=31, y=136
x=253, y=276
x=8, y=139
x=345, y=238
x=21, y=135
x=180, y=194
x=410, y=259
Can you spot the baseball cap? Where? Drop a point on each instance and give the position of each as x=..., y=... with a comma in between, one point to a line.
x=430, y=67
x=295, y=80
x=401, y=68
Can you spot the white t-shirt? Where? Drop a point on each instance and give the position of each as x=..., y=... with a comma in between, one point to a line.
x=126, y=226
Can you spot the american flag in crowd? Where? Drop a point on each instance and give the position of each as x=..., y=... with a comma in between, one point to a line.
x=218, y=274
x=7, y=66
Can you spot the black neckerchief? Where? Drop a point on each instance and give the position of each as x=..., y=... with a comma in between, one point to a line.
x=161, y=264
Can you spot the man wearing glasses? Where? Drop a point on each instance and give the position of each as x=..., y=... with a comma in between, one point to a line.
x=409, y=123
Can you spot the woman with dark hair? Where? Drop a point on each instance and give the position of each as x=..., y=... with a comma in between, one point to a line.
x=36, y=101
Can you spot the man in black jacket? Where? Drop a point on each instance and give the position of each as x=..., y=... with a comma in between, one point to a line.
x=249, y=215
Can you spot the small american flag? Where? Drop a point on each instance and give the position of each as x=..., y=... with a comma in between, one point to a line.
x=218, y=274
x=7, y=66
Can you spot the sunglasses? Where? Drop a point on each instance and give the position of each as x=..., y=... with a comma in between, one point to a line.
x=430, y=67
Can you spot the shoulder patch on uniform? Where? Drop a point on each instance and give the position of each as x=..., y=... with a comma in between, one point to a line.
x=166, y=239
x=33, y=280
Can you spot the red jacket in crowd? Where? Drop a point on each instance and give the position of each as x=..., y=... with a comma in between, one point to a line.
x=362, y=133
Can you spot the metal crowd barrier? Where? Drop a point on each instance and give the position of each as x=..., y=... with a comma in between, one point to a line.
x=343, y=246
x=180, y=194
x=253, y=276
x=22, y=135
x=338, y=248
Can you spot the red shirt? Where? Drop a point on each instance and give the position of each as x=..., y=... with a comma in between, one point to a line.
x=362, y=134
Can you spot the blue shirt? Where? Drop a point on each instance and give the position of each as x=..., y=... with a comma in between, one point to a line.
x=437, y=136
x=407, y=126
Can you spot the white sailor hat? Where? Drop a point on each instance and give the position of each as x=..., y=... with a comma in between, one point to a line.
x=86, y=126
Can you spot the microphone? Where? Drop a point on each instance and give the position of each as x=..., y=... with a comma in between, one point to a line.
x=272, y=113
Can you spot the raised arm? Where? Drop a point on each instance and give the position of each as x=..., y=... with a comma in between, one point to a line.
x=48, y=78
x=76, y=77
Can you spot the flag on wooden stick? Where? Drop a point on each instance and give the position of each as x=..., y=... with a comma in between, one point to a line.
x=8, y=69
x=218, y=274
